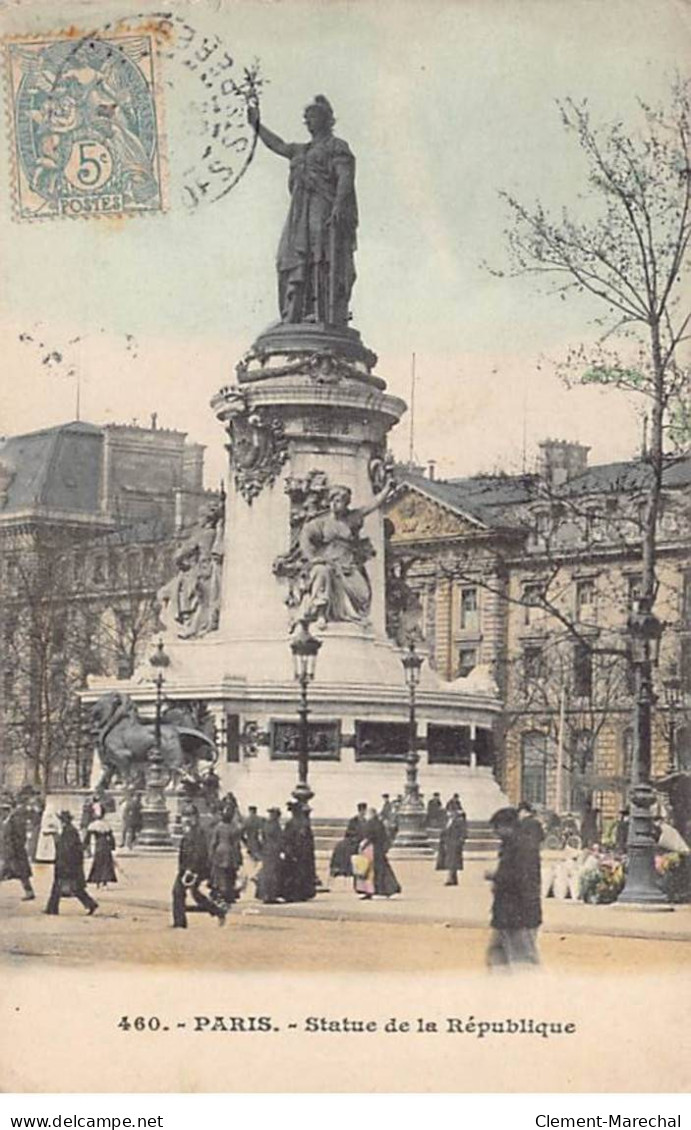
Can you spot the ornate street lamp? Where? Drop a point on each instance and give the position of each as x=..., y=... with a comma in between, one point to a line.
x=645, y=632
x=305, y=649
x=154, y=833
x=412, y=831
x=672, y=693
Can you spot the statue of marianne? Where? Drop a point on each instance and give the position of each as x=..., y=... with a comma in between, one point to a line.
x=315, y=261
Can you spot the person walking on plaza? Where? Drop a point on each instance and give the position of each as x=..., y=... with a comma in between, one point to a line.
x=529, y=826
x=378, y=878
x=193, y=870
x=451, y=842
x=15, y=855
x=225, y=857
x=516, y=905
x=434, y=817
x=99, y=836
x=269, y=877
x=454, y=804
x=68, y=872
x=299, y=879
x=345, y=849
x=252, y=830
x=131, y=819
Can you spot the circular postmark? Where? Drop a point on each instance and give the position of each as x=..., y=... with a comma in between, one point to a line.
x=89, y=118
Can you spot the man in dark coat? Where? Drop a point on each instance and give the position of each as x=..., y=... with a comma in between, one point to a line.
x=193, y=869
x=621, y=835
x=252, y=833
x=516, y=905
x=435, y=812
x=299, y=881
x=451, y=842
x=270, y=875
x=16, y=858
x=68, y=874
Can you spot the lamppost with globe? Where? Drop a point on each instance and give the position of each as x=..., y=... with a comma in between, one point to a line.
x=154, y=833
x=305, y=648
x=412, y=830
x=645, y=632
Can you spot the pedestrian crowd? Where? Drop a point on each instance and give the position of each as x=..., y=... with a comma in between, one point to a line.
x=223, y=851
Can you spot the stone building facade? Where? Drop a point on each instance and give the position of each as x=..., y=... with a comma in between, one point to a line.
x=90, y=518
x=529, y=580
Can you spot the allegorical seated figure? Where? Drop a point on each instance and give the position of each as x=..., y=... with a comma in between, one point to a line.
x=315, y=261
x=190, y=603
x=337, y=586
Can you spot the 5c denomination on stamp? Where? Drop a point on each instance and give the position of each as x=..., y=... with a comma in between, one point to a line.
x=85, y=126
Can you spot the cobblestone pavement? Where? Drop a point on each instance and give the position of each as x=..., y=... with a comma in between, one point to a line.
x=428, y=926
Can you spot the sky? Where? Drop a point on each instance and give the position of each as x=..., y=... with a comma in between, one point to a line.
x=443, y=104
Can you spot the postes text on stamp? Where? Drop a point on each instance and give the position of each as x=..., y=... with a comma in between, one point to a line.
x=85, y=126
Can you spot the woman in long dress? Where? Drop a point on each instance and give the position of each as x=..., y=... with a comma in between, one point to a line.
x=270, y=875
x=99, y=835
x=379, y=878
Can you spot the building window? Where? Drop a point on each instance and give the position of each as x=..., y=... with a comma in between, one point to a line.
x=533, y=665
x=685, y=664
x=467, y=661
x=627, y=754
x=585, y=600
x=583, y=753
x=582, y=671
x=534, y=767
x=532, y=593
x=469, y=610
x=629, y=672
x=98, y=574
x=634, y=581
x=686, y=601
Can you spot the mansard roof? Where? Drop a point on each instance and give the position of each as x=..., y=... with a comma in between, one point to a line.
x=55, y=469
x=499, y=501
x=627, y=478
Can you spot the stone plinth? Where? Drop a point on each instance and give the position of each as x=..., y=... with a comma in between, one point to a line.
x=307, y=408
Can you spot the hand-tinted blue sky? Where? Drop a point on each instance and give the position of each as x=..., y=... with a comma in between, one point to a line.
x=443, y=105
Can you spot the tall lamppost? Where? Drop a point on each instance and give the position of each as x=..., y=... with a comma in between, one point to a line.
x=645, y=632
x=671, y=689
x=305, y=649
x=154, y=833
x=412, y=830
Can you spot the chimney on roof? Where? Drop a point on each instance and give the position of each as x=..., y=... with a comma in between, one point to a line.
x=561, y=460
x=431, y=469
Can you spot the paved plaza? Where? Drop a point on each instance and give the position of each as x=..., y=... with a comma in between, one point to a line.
x=429, y=926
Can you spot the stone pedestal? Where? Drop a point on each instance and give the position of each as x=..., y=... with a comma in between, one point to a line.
x=306, y=413
x=154, y=834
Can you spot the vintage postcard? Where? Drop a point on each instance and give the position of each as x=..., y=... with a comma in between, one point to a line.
x=345, y=586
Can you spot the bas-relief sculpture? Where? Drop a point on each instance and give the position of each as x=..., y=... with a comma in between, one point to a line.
x=325, y=566
x=190, y=603
x=125, y=743
x=315, y=260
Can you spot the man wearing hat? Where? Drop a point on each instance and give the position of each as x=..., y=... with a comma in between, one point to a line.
x=68, y=876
